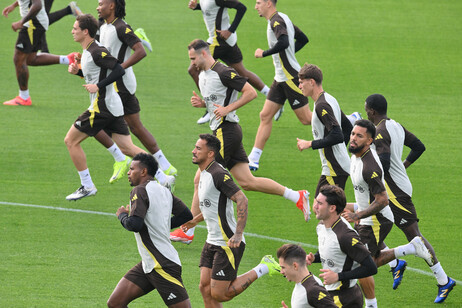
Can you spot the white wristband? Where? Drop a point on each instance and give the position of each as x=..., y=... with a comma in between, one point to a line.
x=355, y=206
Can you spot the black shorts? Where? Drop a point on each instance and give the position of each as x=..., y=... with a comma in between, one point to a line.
x=404, y=211
x=226, y=53
x=30, y=40
x=231, y=151
x=287, y=90
x=167, y=282
x=223, y=261
x=373, y=237
x=92, y=124
x=339, y=181
x=348, y=298
x=130, y=102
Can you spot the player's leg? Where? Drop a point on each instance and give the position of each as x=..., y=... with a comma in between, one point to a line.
x=124, y=293
x=125, y=143
x=304, y=114
x=22, y=71
x=368, y=286
x=205, y=288
x=71, y=9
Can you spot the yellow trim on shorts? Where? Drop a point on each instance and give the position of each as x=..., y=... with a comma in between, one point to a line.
x=230, y=255
x=30, y=31
x=330, y=180
x=222, y=146
x=214, y=43
x=392, y=198
x=376, y=228
x=95, y=109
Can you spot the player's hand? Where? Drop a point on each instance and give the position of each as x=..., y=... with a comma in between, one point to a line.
x=225, y=34
x=309, y=258
x=16, y=25
x=197, y=101
x=303, y=144
x=284, y=305
x=350, y=216
x=220, y=112
x=189, y=225
x=235, y=241
x=92, y=88
x=329, y=276
x=259, y=53
x=121, y=210
x=8, y=10
x=73, y=68
x=192, y=4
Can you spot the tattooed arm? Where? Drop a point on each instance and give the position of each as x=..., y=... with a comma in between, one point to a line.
x=241, y=209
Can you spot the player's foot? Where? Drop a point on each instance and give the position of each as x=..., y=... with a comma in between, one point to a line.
x=355, y=116
x=443, y=291
x=398, y=272
x=171, y=171
x=273, y=267
x=278, y=114
x=72, y=57
x=120, y=169
x=303, y=203
x=144, y=38
x=18, y=101
x=204, y=119
x=76, y=11
x=253, y=165
x=179, y=236
x=170, y=182
x=422, y=250
x=82, y=192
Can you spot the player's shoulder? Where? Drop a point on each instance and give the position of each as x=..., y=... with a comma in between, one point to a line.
x=97, y=50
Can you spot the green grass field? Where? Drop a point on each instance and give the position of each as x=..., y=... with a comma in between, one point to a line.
x=408, y=51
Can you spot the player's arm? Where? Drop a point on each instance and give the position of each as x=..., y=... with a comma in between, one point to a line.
x=10, y=8
x=380, y=201
x=192, y=223
x=241, y=210
x=34, y=9
x=367, y=268
x=281, y=44
x=181, y=213
x=138, y=54
x=193, y=5
x=240, y=11
x=131, y=223
x=300, y=38
x=416, y=146
x=248, y=94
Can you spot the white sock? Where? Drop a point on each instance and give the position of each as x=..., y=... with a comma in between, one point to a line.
x=164, y=164
x=85, y=178
x=393, y=263
x=63, y=60
x=404, y=250
x=439, y=273
x=261, y=269
x=265, y=90
x=190, y=232
x=116, y=152
x=371, y=303
x=255, y=154
x=160, y=177
x=291, y=195
x=24, y=94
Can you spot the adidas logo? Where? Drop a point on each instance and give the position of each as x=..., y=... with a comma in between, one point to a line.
x=379, y=136
x=226, y=178
x=296, y=103
x=221, y=273
x=374, y=175
x=135, y=197
x=233, y=75
x=171, y=296
x=20, y=45
x=276, y=24
x=78, y=123
x=403, y=221
x=354, y=242
x=127, y=30
x=321, y=295
x=324, y=112
x=103, y=54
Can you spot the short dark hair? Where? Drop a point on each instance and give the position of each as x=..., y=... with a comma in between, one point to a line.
x=212, y=142
x=334, y=196
x=370, y=127
x=88, y=22
x=311, y=71
x=291, y=253
x=147, y=161
x=198, y=44
x=378, y=103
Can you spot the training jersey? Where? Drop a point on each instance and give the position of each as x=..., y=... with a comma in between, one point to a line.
x=341, y=250
x=216, y=187
x=327, y=114
x=367, y=177
x=216, y=17
x=155, y=204
x=39, y=21
x=285, y=64
x=119, y=38
x=390, y=138
x=310, y=293
x=220, y=85
x=97, y=63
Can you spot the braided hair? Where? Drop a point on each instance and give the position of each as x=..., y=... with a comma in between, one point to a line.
x=119, y=8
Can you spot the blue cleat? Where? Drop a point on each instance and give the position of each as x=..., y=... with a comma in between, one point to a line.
x=443, y=291
x=253, y=165
x=398, y=272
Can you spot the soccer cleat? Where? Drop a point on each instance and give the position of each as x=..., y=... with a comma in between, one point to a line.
x=253, y=165
x=278, y=114
x=273, y=267
x=72, y=56
x=82, y=192
x=18, y=101
x=144, y=38
x=303, y=203
x=171, y=171
x=120, y=168
x=179, y=236
x=204, y=119
x=398, y=272
x=169, y=182
x=355, y=116
x=443, y=291
x=422, y=250
x=76, y=11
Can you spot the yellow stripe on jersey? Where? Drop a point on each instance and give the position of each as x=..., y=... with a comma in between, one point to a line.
x=115, y=87
x=30, y=32
x=94, y=110
x=331, y=170
x=225, y=237
x=376, y=228
x=214, y=43
x=392, y=198
x=230, y=255
x=222, y=146
x=337, y=301
x=158, y=268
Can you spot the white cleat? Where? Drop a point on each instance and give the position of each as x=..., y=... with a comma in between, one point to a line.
x=76, y=11
x=169, y=182
x=278, y=114
x=82, y=192
x=355, y=116
x=204, y=119
x=422, y=250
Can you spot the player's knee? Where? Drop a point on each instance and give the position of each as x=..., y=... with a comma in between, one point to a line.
x=68, y=141
x=111, y=303
x=265, y=117
x=305, y=121
x=221, y=297
x=247, y=185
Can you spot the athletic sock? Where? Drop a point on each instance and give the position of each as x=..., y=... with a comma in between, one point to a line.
x=371, y=303
x=439, y=273
x=164, y=164
x=261, y=269
x=291, y=195
x=404, y=250
x=265, y=90
x=160, y=177
x=24, y=94
x=116, y=152
x=63, y=60
x=190, y=232
x=85, y=178
x=255, y=154
x=392, y=263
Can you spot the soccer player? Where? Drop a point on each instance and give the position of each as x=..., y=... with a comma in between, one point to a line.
x=389, y=142
x=308, y=291
x=373, y=213
x=149, y=215
x=223, y=40
x=284, y=40
x=225, y=242
x=118, y=37
x=32, y=25
x=326, y=125
x=219, y=86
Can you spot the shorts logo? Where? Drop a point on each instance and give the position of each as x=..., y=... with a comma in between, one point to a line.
x=20, y=45
x=403, y=221
x=78, y=123
x=171, y=296
x=295, y=103
x=205, y=203
x=220, y=273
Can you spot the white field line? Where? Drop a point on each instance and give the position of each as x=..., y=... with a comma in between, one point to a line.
x=281, y=240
